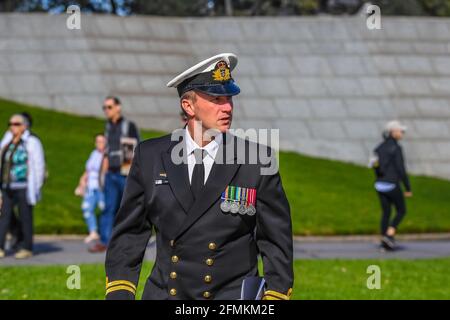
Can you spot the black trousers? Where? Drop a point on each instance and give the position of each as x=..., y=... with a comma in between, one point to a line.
x=11, y=199
x=15, y=227
x=387, y=199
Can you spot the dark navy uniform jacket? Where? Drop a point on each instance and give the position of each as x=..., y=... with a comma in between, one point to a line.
x=202, y=252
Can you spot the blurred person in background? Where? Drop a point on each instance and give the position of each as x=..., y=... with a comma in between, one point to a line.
x=15, y=229
x=390, y=172
x=89, y=187
x=22, y=174
x=120, y=133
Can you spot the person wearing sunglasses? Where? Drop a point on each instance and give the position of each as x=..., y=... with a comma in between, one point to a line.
x=22, y=174
x=15, y=229
x=118, y=129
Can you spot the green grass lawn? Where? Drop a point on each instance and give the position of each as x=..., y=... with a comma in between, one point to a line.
x=314, y=279
x=326, y=197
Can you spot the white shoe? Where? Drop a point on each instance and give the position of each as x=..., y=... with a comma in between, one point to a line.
x=2, y=254
x=91, y=237
x=23, y=254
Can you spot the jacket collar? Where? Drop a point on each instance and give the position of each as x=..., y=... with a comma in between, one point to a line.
x=221, y=175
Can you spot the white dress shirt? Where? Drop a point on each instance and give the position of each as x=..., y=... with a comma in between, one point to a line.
x=210, y=149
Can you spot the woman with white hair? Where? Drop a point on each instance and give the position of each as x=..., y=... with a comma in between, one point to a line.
x=390, y=172
x=22, y=172
x=15, y=228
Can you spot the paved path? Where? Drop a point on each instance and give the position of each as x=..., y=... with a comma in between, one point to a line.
x=71, y=249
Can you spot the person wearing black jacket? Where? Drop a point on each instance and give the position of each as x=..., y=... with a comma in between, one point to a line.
x=213, y=212
x=390, y=172
x=118, y=132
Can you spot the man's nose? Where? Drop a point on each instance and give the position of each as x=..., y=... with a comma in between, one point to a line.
x=227, y=106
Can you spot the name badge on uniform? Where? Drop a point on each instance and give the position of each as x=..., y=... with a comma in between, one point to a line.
x=161, y=181
x=239, y=200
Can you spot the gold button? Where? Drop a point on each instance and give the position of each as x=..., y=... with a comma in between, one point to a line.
x=173, y=292
x=208, y=278
x=172, y=243
x=209, y=262
x=206, y=295
x=173, y=275
x=175, y=259
x=212, y=246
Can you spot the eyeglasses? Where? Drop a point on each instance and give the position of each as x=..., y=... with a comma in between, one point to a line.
x=109, y=107
x=15, y=124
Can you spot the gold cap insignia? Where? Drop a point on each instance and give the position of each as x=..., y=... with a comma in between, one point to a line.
x=221, y=71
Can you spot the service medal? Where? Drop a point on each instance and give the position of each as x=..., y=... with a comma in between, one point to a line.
x=233, y=196
x=234, y=208
x=225, y=206
x=251, y=210
x=242, y=209
x=244, y=197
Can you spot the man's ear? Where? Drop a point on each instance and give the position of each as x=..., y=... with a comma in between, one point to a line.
x=188, y=107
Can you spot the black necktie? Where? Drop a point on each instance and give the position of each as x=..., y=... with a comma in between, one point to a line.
x=198, y=175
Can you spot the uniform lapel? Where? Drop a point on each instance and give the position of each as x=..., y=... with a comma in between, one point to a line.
x=177, y=174
x=220, y=176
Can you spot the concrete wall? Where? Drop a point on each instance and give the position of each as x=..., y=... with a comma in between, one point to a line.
x=328, y=83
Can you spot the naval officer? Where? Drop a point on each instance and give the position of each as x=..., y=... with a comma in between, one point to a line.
x=212, y=215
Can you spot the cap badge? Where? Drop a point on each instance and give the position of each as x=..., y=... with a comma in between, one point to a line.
x=221, y=71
